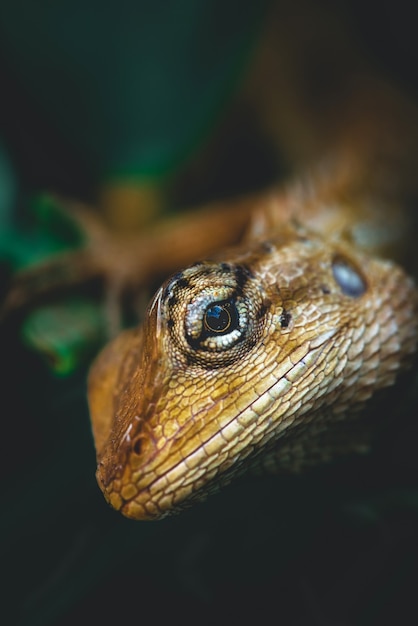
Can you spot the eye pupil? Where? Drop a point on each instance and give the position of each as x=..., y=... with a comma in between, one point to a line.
x=217, y=318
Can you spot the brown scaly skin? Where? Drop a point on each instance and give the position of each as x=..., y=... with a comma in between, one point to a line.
x=314, y=329
x=314, y=326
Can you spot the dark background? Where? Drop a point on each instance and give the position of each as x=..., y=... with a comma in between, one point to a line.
x=336, y=547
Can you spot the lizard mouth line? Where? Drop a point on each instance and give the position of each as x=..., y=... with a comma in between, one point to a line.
x=200, y=458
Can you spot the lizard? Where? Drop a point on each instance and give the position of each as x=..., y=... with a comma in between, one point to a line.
x=280, y=349
x=264, y=355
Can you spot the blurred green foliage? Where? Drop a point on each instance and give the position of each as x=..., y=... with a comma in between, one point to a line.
x=134, y=85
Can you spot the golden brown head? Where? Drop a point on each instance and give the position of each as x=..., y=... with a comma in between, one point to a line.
x=266, y=355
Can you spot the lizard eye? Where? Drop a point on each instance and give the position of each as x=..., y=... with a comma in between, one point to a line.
x=216, y=325
x=220, y=318
x=214, y=312
x=348, y=277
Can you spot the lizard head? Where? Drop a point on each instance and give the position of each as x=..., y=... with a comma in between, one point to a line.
x=262, y=358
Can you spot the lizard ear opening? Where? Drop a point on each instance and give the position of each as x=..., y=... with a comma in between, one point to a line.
x=137, y=445
x=348, y=277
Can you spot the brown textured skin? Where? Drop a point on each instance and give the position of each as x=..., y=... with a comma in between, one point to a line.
x=173, y=421
x=175, y=415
